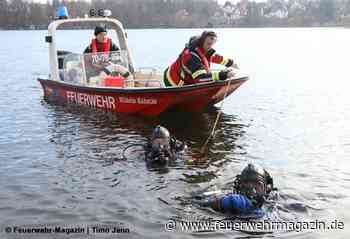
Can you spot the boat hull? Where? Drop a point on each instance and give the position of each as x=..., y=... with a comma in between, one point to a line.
x=143, y=101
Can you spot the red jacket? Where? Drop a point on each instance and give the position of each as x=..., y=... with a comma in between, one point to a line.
x=193, y=66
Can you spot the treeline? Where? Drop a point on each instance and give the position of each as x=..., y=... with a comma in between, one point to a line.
x=133, y=13
x=285, y=13
x=23, y=14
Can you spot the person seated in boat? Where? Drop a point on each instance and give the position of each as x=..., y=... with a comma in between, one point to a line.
x=193, y=64
x=101, y=43
x=99, y=57
x=162, y=148
x=252, y=187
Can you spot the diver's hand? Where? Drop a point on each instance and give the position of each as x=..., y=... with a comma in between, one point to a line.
x=201, y=203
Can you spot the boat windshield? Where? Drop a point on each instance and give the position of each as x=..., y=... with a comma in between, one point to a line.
x=95, y=69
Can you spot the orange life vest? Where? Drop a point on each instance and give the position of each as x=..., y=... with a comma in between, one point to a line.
x=106, y=45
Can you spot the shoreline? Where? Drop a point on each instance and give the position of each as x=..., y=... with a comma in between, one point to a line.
x=171, y=28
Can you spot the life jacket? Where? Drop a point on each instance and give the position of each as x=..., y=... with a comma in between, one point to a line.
x=98, y=55
x=178, y=73
x=106, y=45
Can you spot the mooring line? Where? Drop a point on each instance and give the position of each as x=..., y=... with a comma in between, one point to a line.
x=216, y=120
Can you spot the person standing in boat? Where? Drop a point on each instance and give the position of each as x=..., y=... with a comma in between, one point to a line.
x=98, y=58
x=193, y=64
x=101, y=43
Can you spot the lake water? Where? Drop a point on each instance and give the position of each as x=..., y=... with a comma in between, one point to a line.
x=61, y=165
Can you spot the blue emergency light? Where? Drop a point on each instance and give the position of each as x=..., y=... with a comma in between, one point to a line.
x=62, y=12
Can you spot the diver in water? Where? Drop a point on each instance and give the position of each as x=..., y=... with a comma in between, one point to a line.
x=162, y=148
x=252, y=189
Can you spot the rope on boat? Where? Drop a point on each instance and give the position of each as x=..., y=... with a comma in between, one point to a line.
x=204, y=147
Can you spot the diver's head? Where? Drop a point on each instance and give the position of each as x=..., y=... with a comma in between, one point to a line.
x=160, y=132
x=100, y=33
x=254, y=181
x=160, y=146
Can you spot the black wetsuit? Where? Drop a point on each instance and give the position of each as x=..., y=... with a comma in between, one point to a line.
x=163, y=155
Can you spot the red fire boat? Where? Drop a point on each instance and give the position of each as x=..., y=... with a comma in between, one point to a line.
x=75, y=80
